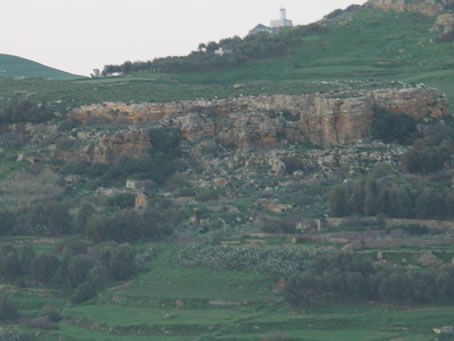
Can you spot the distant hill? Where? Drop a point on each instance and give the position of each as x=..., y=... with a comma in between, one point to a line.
x=13, y=66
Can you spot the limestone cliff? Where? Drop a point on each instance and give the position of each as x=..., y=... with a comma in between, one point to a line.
x=322, y=119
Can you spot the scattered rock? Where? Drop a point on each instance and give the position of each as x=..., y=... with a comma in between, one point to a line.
x=379, y=256
x=220, y=182
x=273, y=206
x=279, y=285
x=141, y=201
x=429, y=260
x=348, y=249
x=444, y=330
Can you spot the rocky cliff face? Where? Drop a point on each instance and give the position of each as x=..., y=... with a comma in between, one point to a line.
x=321, y=119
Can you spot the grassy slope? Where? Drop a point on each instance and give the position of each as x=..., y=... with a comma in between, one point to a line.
x=371, y=45
x=366, y=48
x=12, y=66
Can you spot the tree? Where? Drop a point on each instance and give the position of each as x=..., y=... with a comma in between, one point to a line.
x=7, y=222
x=121, y=263
x=212, y=46
x=44, y=267
x=27, y=255
x=10, y=266
x=96, y=73
x=8, y=310
x=52, y=216
x=86, y=210
x=339, y=200
x=202, y=47
x=79, y=268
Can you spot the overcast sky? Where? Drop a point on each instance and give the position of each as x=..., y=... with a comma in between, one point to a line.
x=80, y=35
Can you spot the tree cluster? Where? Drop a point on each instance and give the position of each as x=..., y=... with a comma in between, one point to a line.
x=238, y=51
x=374, y=195
x=381, y=192
x=424, y=158
x=23, y=110
x=393, y=128
x=342, y=278
x=82, y=270
x=127, y=226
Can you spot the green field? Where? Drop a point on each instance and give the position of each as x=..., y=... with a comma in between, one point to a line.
x=179, y=303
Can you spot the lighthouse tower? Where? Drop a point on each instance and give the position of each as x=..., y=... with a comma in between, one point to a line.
x=283, y=21
x=283, y=14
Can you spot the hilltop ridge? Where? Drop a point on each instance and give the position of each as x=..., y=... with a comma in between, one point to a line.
x=18, y=67
x=424, y=7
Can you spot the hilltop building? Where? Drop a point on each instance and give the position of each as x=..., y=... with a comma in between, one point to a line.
x=275, y=25
x=283, y=21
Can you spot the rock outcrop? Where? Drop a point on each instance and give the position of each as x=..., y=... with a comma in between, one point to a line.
x=111, y=148
x=424, y=7
x=444, y=22
x=322, y=119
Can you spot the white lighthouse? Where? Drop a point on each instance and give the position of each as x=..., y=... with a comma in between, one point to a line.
x=283, y=14
x=283, y=21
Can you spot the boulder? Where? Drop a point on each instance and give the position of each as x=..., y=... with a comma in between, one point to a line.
x=273, y=206
x=429, y=260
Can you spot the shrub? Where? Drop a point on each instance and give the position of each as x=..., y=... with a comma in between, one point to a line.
x=423, y=158
x=44, y=267
x=7, y=222
x=98, y=276
x=339, y=200
x=8, y=311
x=10, y=266
x=124, y=226
x=27, y=187
x=14, y=334
x=282, y=225
x=64, y=143
x=22, y=110
x=51, y=313
x=27, y=256
x=447, y=37
x=206, y=194
x=292, y=164
x=120, y=263
x=122, y=200
x=84, y=292
x=415, y=229
x=68, y=124
x=165, y=141
x=176, y=181
x=79, y=268
x=53, y=217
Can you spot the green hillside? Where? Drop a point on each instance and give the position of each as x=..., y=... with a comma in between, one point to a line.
x=236, y=218
x=12, y=66
x=354, y=49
